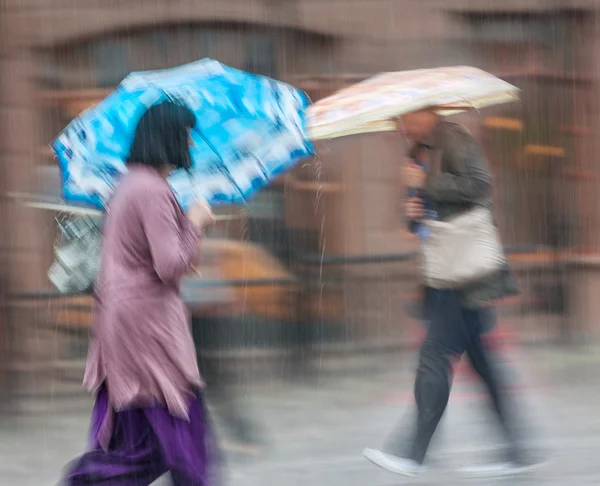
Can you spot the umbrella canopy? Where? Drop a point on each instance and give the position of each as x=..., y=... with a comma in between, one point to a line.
x=370, y=105
x=249, y=130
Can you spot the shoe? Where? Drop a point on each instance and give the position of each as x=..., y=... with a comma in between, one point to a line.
x=501, y=469
x=397, y=465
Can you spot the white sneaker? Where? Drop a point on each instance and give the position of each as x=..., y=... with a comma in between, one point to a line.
x=397, y=465
x=501, y=469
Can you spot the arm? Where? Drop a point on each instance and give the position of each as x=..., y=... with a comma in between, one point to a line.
x=172, y=247
x=466, y=177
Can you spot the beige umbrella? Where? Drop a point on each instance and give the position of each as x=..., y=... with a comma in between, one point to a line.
x=372, y=105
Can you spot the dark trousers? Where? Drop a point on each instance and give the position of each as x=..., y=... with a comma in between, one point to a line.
x=221, y=391
x=145, y=444
x=452, y=332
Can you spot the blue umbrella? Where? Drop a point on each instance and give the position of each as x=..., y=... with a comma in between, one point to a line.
x=250, y=129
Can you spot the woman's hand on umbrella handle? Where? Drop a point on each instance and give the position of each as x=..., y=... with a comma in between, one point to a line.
x=201, y=215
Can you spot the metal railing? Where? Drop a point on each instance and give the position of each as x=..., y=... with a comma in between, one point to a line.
x=294, y=336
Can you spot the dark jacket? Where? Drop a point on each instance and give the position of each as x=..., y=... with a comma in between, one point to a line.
x=463, y=180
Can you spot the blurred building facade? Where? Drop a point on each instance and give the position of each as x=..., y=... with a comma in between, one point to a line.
x=333, y=215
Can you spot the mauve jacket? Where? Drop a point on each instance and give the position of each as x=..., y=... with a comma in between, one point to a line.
x=141, y=344
x=463, y=180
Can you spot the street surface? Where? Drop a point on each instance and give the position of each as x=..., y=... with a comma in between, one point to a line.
x=318, y=427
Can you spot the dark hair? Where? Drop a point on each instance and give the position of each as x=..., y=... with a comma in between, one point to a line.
x=162, y=137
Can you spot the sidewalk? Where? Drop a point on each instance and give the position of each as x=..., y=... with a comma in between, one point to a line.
x=318, y=428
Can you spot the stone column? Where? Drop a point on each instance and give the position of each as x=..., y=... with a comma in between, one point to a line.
x=25, y=232
x=584, y=274
x=358, y=213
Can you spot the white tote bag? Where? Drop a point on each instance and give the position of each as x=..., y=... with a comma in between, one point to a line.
x=76, y=255
x=462, y=250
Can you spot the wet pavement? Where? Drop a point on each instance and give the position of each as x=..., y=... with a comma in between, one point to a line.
x=318, y=427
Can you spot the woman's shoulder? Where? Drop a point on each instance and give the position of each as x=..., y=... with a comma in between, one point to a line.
x=144, y=186
x=138, y=192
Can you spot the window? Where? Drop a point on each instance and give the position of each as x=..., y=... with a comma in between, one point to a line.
x=260, y=56
x=538, y=53
x=103, y=63
x=524, y=41
x=75, y=76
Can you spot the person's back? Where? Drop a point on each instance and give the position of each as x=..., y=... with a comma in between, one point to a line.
x=127, y=259
x=139, y=304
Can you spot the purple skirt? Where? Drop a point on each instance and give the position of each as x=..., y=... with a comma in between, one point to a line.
x=145, y=444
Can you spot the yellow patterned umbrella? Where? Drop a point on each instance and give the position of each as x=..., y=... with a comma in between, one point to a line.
x=371, y=105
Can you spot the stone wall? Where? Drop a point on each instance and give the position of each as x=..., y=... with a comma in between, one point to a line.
x=358, y=213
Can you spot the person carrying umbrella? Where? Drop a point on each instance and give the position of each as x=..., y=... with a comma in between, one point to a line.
x=145, y=155
x=459, y=315
x=149, y=416
x=450, y=207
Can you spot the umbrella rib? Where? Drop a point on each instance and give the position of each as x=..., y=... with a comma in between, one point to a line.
x=260, y=166
x=222, y=167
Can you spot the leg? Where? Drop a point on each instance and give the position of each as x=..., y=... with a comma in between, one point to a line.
x=432, y=391
x=132, y=458
x=220, y=389
x=188, y=448
x=446, y=338
x=221, y=393
x=482, y=361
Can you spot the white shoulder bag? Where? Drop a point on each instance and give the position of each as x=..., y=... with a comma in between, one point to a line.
x=76, y=255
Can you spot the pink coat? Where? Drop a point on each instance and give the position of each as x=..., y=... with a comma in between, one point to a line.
x=141, y=344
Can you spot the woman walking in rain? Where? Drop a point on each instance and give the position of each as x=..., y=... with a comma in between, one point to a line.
x=456, y=317
x=149, y=417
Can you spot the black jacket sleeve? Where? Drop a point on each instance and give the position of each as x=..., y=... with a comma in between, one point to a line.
x=464, y=176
